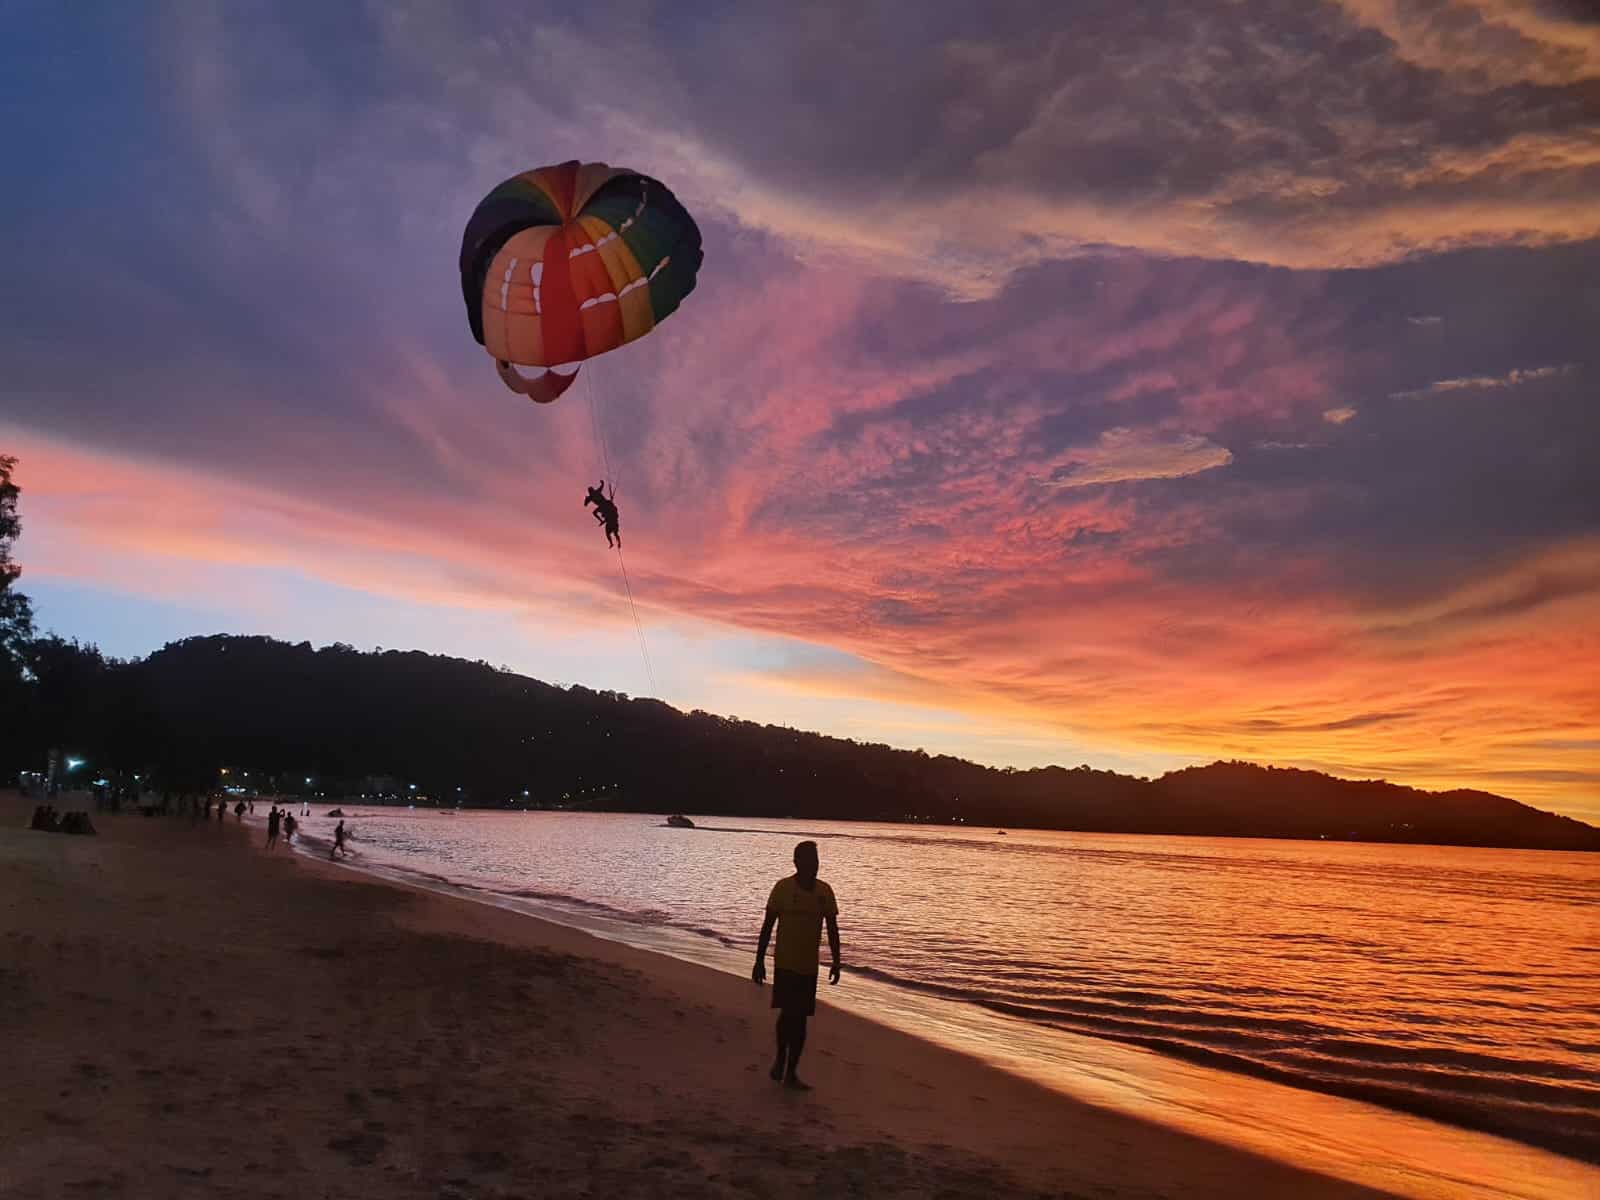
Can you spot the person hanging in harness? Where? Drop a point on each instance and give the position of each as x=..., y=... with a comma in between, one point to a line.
x=605, y=512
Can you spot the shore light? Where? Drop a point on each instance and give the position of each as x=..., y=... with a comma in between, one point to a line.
x=74, y=763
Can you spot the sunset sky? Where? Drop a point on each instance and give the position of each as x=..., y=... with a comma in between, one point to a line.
x=1130, y=384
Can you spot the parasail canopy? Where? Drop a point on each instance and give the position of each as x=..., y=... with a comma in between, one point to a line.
x=562, y=263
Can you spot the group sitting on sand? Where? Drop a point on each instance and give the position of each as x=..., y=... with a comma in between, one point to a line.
x=47, y=820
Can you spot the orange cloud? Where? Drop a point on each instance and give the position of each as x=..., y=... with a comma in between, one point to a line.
x=1512, y=378
x=1124, y=455
x=1491, y=43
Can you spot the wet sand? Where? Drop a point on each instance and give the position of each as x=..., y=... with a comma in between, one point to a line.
x=185, y=1015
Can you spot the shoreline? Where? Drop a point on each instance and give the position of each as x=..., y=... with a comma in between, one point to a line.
x=1396, y=1150
x=979, y=827
x=457, y=1033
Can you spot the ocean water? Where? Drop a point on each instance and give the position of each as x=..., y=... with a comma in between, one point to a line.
x=1459, y=984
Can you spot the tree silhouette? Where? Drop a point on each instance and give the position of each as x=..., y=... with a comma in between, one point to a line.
x=16, y=622
x=407, y=727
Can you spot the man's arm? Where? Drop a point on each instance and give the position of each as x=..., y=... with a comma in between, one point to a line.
x=833, y=945
x=759, y=975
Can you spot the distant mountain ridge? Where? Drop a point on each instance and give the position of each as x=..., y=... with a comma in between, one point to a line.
x=451, y=729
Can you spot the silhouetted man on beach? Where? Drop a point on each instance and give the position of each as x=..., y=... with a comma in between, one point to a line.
x=799, y=904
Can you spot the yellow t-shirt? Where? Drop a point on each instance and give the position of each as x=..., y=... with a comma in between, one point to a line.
x=800, y=914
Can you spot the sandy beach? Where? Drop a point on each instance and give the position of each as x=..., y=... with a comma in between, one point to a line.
x=189, y=1016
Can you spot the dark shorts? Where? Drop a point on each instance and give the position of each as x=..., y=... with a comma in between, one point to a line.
x=793, y=991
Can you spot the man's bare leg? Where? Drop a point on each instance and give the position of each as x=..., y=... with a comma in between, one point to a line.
x=776, y=1074
x=796, y=1043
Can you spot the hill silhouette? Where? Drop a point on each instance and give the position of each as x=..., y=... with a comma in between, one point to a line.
x=412, y=726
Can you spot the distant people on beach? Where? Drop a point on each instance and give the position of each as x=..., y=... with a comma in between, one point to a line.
x=338, y=841
x=798, y=905
x=274, y=819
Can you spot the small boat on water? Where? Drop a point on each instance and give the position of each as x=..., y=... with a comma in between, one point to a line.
x=679, y=821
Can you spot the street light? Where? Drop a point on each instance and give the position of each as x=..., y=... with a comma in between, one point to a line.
x=74, y=763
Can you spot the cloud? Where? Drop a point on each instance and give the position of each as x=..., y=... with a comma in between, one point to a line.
x=1126, y=455
x=1425, y=320
x=965, y=147
x=1513, y=378
x=1570, y=573
x=1489, y=44
x=1340, y=415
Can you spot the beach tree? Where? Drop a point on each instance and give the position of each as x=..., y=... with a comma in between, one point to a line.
x=16, y=634
x=16, y=614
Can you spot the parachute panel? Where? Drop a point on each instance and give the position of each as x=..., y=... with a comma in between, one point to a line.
x=563, y=329
x=628, y=282
x=597, y=299
x=591, y=178
x=559, y=183
x=512, y=299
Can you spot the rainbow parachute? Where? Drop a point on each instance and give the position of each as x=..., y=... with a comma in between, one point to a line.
x=562, y=263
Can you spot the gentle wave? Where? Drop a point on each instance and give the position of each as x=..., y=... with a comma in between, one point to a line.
x=1430, y=980
x=1478, y=1090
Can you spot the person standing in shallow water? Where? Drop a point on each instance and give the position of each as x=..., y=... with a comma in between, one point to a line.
x=798, y=905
